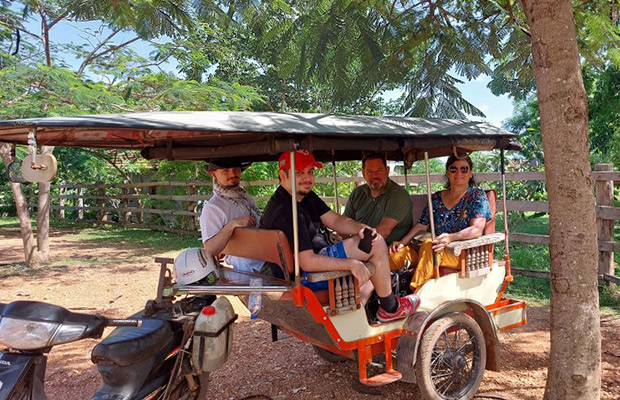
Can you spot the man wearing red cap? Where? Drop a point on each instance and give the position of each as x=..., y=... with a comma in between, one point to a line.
x=315, y=254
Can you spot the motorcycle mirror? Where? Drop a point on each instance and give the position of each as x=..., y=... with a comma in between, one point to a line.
x=44, y=170
x=14, y=172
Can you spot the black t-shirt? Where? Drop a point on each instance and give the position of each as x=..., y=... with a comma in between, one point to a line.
x=279, y=215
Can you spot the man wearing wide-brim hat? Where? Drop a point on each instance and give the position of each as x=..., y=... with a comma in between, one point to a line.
x=230, y=207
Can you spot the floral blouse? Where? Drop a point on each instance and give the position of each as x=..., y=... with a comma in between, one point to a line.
x=475, y=203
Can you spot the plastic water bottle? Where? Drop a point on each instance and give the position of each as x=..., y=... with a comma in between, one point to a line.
x=255, y=301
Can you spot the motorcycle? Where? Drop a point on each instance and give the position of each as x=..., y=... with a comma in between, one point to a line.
x=155, y=354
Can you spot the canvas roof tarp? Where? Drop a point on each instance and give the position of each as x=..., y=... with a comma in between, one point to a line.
x=256, y=136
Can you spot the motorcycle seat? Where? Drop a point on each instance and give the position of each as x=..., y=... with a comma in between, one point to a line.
x=128, y=345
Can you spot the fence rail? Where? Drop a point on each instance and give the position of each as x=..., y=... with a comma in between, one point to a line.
x=173, y=206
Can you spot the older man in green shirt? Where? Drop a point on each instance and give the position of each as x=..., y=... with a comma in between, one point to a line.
x=381, y=203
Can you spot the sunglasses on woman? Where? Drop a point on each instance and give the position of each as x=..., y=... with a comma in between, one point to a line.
x=464, y=169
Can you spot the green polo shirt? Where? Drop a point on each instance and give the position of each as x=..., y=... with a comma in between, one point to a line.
x=393, y=203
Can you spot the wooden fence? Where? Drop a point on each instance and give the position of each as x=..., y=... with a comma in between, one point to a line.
x=174, y=206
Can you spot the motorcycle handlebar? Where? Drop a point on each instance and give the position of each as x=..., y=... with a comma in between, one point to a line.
x=124, y=322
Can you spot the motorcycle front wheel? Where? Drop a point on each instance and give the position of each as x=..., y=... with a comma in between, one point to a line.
x=181, y=388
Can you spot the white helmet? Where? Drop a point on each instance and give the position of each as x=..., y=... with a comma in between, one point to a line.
x=195, y=264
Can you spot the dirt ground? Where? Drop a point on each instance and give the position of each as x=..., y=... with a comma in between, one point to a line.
x=116, y=279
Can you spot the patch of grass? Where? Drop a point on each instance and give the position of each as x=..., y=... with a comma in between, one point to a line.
x=164, y=241
x=81, y=260
x=534, y=223
x=537, y=292
x=526, y=256
x=534, y=291
x=609, y=299
x=9, y=222
x=19, y=269
x=530, y=256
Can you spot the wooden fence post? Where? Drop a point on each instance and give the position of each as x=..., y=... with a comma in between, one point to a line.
x=103, y=215
x=190, y=221
x=125, y=205
x=61, y=202
x=605, y=227
x=139, y=202
x=80, y=203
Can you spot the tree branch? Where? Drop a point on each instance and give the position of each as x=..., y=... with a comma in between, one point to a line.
x=23, y=95
x=130, y=110
x=158, y=63
x=91, y=55
x=111, y=162
x=514, y=19
x=12, y=26
x=46, y=38
x=18, y=98
x=408, y=10
x=58, y=19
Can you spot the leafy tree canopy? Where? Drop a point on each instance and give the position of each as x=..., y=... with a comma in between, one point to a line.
x=603, y=90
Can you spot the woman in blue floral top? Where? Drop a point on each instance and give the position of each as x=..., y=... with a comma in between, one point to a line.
x=460, y=212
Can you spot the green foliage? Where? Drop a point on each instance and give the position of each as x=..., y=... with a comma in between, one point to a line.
x=337, y=55
x=598, y=38
x=165, y=92
x=148, y=18
x=604, y=115
x=38, y=91
x=603, y=90
x=120, y=80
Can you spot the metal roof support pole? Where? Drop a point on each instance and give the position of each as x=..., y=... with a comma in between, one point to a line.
x=295, y=221
x=407, y=187
x=430, y=211
x=336, y=200
x=505, y=210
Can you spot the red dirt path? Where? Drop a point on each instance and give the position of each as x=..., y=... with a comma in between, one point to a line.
x=118, y=278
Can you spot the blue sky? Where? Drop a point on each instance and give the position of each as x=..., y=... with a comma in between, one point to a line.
x=496, y=108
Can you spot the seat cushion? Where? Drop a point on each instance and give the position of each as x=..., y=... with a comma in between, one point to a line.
x=127, y=345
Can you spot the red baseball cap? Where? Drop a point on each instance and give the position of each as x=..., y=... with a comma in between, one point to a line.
x=303, y=158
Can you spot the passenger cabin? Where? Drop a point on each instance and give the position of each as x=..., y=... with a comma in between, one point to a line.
x=342, y=294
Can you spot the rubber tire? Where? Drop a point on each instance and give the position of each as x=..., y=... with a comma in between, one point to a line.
x=429, y=340
x=328, y=355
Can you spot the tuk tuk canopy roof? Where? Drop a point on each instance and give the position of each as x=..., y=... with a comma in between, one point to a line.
x=260, y=136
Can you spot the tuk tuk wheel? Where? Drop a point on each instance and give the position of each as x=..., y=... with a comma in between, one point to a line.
x=328, y=355
x=451, y=358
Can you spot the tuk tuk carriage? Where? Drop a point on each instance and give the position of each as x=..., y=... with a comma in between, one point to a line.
x=452, y=338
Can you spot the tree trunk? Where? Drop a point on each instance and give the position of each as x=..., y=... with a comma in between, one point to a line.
x=32, y=256
x=43, y=215
x=575, y=357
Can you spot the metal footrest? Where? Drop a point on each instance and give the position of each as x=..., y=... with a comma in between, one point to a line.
x=383, y=379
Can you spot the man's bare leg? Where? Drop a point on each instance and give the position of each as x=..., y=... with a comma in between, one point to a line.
x=390, y=306
x=378, y=257
x=365, y=292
